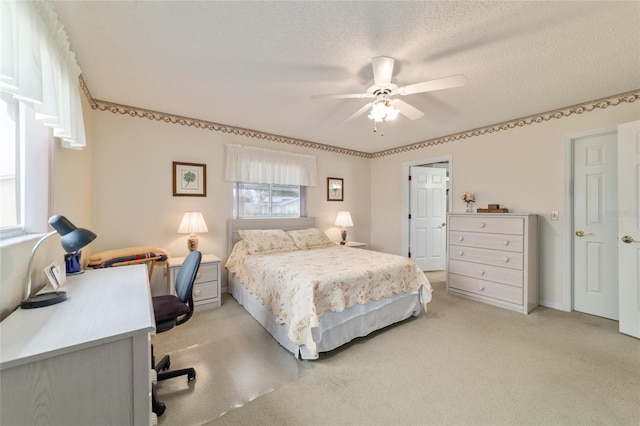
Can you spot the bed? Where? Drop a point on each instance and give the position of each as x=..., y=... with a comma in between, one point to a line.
x=313, y=295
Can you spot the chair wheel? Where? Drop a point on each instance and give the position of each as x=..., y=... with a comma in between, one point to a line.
x=159, y=409
x=192, y=375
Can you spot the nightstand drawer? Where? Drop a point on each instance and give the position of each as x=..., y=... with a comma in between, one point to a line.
x=208, y=272
x=205, y=291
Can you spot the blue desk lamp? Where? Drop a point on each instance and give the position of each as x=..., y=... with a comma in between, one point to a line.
x=72, y=240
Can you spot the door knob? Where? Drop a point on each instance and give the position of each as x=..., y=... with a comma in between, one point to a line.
x=444, y=224
x=582, y=233
x=628, y=239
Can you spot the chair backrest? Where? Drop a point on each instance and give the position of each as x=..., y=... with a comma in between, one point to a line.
x=187, y=276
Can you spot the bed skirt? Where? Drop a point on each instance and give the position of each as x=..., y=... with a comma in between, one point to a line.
x=336, y=329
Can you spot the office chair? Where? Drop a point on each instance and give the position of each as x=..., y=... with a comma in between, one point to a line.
x=170, y=311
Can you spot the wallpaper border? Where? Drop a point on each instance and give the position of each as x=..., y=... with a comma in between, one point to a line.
x=132, y=111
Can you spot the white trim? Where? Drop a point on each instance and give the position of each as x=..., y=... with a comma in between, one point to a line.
x=405, y=193
x=567, y=223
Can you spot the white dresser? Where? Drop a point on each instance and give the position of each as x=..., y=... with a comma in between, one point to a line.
x=206, y=288
x=493, y=258
x=85, y=361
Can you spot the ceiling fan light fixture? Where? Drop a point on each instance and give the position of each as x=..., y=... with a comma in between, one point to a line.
x=382, y=110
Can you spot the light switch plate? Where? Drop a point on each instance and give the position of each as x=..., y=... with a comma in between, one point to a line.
x=555, y=215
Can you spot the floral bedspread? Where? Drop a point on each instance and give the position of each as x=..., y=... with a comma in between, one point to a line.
x=299, y=286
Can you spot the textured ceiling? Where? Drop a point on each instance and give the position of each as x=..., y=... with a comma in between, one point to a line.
x=256, y=65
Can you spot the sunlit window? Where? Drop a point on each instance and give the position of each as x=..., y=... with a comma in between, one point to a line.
x=265, y=200
x=25, y=155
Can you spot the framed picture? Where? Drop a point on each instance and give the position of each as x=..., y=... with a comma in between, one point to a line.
x=189, y=179
x=335, y=189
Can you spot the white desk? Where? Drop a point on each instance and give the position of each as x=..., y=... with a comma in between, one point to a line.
x=84, y=361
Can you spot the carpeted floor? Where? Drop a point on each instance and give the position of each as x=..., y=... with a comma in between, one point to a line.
x=462, y=363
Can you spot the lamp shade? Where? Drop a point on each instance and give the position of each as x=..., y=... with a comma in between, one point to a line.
x=72, y=238
x=344, y=219
x=192, y=223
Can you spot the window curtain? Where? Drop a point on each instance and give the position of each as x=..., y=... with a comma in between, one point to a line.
x=38, y=68
x=260, y=165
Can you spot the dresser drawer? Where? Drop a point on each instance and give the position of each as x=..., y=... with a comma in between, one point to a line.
x=494, y=225
x=207, y=273
x=511, y=277
x=490, y=257
x=485, y=288
x=205, y=291
x=491, y=241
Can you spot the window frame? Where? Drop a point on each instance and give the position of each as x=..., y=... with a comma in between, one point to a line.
x=236, y=200
x=33, y=155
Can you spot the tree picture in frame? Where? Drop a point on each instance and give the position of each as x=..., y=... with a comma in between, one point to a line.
x=189, y=179
x=335, y=189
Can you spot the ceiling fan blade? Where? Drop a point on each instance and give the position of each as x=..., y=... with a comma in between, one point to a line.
x=431, y=85
x=382, y=70
x=359, y=112
x=343, y=96
x=407, y=110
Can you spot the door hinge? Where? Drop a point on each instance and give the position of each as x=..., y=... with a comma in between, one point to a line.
x=409, y=177
x=409, y=215
x=409, y=255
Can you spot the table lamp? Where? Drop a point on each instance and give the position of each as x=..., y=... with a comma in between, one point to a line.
x=192, y=224
x=343, y=220
x=72, y=240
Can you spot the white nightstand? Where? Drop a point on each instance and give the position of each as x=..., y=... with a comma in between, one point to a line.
x=206, y=289
x=354, y=244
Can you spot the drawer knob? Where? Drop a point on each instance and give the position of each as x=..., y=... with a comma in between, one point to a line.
x=505, y=259
x=196, y=292
x=460, y=253
x=460, y=238
x=481, y=287
x=506, y=242
x=482, y=224
x=481, y=271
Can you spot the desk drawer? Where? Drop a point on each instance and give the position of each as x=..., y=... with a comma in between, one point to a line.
x=493, y=241
x=512, y=277
x=207, y=272
x=485, y=288
x=490, y=257
x=495, y=225
x=205, y=291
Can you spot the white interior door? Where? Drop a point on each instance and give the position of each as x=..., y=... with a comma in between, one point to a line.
x=428, y=217
x=629, y=227
x=595, y=263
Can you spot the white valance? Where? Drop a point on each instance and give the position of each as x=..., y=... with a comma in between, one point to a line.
x=261, y=165
x=38, y=68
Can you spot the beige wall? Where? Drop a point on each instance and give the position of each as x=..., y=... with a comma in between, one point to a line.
x=120, y=187
x=132, y=186
x=522, y=169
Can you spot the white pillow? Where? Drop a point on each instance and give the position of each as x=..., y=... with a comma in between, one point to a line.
x=267, y=241
x=309, y=238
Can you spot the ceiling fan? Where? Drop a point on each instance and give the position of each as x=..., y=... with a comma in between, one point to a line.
x=386, y=106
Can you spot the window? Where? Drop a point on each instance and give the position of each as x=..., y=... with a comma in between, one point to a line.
x=25, y=152
x=10, y=200
x=267, y=200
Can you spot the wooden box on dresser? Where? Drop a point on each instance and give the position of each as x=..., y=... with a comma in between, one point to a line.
x=493, y=258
